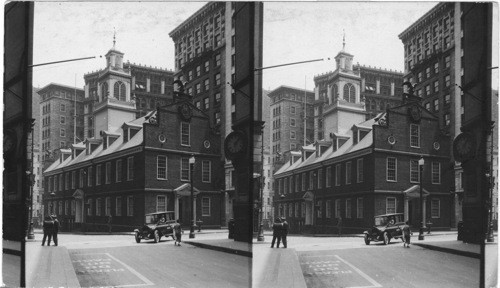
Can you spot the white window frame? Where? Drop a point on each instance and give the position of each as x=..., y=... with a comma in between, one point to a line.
x=118, y=206
x=328, y=177
x=348, y=172
x=203, y=167
x=320, y=178
x=182, y=168
x=130, y=168
x=413, y=172
x=107, y=206
x=359, y=207
x=328, y=209
x=98, y=206
x=204, y=206
x=337, y=208
x=360, y=171
x=118, y=171
x=348, y=208
x=161, y=169
x=98, y=174
x=107, y=176
x=436, y=174
x=130, y=205
x=416, y=137
x=161, y=201
x=387, y=211
x=433, y=201
x=388, y=169
x=338, y=175
x=89, y=176
x=303, y=181
x=183, y=134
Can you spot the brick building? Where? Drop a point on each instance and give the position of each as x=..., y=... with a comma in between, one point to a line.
x=369, y=168
x=138, y=168
x=57, y=119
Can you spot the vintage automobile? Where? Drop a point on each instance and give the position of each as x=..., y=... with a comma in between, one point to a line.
x=156, y=225
x=387, y=227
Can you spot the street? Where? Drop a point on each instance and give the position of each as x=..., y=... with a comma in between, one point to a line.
x=348, y=262
x=117, y=260
x=388, y=266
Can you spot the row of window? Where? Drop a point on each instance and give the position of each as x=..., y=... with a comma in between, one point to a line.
x=68, y=180
x=296, y=211
x=300, y=182
x=206, y=101
x=392, y=167
x=59, y=94
x=95, y=207
x=162, y=169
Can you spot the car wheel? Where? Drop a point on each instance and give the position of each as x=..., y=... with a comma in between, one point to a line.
x=137, y=237
x=367, y=240
x=157, y=236
x=386, y=238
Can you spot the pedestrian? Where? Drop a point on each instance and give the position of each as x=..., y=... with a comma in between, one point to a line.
x=284, y=231
x=407, y=234
x=177, y=232
x=277, y=227
x=48, y=226
x=110, y=222
x=55, y=229
x=339, y=225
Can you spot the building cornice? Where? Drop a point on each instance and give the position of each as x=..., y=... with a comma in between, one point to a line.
x=173, y=151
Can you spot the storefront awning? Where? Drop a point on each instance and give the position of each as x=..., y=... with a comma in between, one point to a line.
x=414, y=192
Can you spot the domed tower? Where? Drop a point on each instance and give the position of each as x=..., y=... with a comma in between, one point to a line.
x=339, y=104
x=108, y=96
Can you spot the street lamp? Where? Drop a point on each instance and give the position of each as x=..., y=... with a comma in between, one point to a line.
x=421, y=169
x=191, y=169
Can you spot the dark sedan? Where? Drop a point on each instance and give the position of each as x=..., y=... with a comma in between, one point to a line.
x=387, y=227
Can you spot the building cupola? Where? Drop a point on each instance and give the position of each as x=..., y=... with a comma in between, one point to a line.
x=114, y=58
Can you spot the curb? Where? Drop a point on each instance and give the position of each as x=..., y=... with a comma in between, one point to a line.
x=449, y=250
x=219, y=248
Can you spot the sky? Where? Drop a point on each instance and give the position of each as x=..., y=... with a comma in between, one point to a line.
x=293, y=31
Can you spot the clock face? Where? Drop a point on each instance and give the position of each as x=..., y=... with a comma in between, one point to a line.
x=235, y=145
x=464, y=147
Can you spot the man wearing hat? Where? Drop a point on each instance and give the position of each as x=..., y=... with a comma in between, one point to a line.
x=277, y=227
x=48, y=227
x=284, y=231
x=55, y=229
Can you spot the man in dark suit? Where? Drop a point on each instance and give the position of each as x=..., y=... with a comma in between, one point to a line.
x=277, y=227
x=55, y=229
x=284, y=231
x=48, y=227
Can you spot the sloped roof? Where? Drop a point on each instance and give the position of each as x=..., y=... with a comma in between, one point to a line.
x=117, y=145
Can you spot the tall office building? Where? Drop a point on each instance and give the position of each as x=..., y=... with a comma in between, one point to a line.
x=61, y=125
x=205, y=62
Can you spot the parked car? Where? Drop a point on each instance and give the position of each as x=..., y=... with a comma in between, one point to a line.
x=387, y=227
x=156, y=225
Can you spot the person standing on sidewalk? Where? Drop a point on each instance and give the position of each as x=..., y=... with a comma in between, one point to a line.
x=55, y=230
x=407, y=234
x=110, y=222
x=277, y=229
x=339, y=225
x=48, y=226
x=284, y=231
x=177, y=232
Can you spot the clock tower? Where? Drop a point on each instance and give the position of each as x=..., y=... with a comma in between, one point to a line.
x=109, y=91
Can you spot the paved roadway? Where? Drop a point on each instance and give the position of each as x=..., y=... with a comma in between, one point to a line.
x=388, y=266
x=117, y=261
